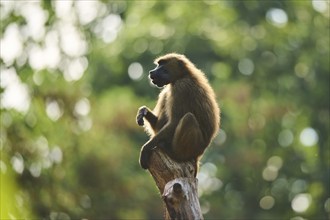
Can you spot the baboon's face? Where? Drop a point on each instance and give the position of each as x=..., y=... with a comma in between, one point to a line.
x=160, y=76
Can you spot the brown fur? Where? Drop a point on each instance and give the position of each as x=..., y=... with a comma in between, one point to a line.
x=186, y=117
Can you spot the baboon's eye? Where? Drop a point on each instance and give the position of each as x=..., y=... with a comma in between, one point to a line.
x=161, y=62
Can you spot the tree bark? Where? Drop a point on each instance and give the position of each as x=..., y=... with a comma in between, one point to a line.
x=178, y=186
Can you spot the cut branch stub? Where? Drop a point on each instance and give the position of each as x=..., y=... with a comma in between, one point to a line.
x=181, y=199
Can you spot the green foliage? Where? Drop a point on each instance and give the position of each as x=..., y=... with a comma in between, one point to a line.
x=73, y=74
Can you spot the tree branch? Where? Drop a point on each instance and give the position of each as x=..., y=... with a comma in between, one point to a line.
x=177, y=184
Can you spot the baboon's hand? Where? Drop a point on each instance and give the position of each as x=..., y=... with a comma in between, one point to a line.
x=140, y=115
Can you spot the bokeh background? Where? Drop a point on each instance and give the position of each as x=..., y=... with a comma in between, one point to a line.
x=73, y=74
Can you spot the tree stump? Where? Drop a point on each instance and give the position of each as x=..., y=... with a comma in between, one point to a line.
x=178, y=186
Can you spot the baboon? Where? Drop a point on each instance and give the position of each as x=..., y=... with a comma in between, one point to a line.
x=186, y=117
